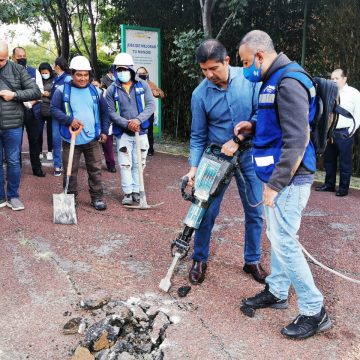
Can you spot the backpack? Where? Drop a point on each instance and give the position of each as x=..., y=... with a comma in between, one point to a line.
x=327, y=110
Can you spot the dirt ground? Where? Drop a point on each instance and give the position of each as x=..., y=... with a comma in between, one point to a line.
x=46, y=269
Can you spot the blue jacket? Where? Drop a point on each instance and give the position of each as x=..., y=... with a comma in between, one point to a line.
x=268, y=141
x=59, y=80
x=216, y=111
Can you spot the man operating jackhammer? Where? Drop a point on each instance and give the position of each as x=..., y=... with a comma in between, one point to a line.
x=223, y=99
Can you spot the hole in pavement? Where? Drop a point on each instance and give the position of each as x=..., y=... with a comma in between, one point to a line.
x=131, y=330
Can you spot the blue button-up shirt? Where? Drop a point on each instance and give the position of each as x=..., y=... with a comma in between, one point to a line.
x=216, y=111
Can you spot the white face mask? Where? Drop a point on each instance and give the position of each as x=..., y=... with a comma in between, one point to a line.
x=124, y=76
x=45, y=76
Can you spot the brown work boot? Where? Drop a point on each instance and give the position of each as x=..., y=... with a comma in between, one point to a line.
x=197, y=272
x=257, y=272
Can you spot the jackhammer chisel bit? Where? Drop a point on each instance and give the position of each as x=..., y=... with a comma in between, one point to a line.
x=165, y=283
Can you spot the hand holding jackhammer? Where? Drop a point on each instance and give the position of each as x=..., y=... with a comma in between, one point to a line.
x=191, y=176
x=243, y=128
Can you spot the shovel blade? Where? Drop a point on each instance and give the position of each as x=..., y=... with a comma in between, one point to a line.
x=64, y=209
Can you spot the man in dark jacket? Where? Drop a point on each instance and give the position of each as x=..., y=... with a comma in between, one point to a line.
x=284, y=159
x=16, y=87
x=32, y=112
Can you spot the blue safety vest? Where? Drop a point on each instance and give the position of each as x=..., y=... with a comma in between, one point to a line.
x=64, y=129
x=140, y=103
x=59, y=80
x=32, y=72
x=267, y=143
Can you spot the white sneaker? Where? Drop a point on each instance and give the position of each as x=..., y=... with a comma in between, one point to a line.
x=41, y=156
x=49, y=156
x=15, y=204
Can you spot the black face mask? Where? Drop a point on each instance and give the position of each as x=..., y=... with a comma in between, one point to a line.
x=143, y=76
x=21, y=62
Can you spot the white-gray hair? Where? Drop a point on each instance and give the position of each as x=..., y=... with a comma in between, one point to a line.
x=258, y=40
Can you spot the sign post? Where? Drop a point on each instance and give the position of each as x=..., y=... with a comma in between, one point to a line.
x=143, y=44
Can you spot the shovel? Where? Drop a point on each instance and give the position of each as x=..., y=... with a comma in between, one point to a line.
x=143, y=205
x=64, y=204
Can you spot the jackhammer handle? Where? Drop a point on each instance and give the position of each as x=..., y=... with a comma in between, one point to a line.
x=183, y=183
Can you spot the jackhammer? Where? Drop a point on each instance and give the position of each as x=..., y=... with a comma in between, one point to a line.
x=213, y=174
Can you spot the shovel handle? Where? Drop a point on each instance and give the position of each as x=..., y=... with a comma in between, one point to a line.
x=74, y=134
x=138, y=155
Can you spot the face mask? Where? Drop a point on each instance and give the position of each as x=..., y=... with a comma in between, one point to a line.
x=22, y=62
x=112, y=77
x=143, y=76
x=45, y=76
x=252, y=73
x=124, y=76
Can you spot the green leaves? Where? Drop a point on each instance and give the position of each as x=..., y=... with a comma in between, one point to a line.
x=183, y=55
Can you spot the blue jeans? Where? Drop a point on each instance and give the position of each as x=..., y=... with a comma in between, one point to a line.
x=126, y=149
x=56, y=142
x=10, y=143
x=288, y=263
x=250, y=192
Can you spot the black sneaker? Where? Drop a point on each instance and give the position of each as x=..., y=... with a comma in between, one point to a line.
x=305, y=326
x=136, y=197
x=265, y=299
x=127, y=200
x=98, y=204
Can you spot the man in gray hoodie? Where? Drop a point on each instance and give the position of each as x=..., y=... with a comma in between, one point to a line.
x=131, y=104
x=284, y=159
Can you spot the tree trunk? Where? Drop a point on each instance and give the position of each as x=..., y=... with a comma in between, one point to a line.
x=65, y=46
x=93, y=48
x=207, y=7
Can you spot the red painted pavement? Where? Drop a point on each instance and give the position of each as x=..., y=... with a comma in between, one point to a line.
x=46, y=269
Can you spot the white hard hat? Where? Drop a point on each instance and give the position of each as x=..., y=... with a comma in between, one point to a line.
x=80, y=63
x=123, y=59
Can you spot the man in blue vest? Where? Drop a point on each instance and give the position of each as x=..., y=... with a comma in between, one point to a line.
x=80, y=104
x=222, y=100
x=284, y=159
x=32, y=113
x=131, y=104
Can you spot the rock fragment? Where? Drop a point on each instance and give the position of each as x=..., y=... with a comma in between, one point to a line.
x=82, y=353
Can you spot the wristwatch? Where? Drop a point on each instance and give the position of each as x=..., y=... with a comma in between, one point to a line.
x=15, y=96
x=236, y=140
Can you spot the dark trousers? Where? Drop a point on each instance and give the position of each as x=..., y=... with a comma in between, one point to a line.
x=48, y=133
x=108, y=149
x=340, y=148
x=92, y=156
x=32, y=126
x=150, y=133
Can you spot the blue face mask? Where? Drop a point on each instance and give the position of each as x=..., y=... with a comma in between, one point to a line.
x=124, y=76
x=252, y=73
